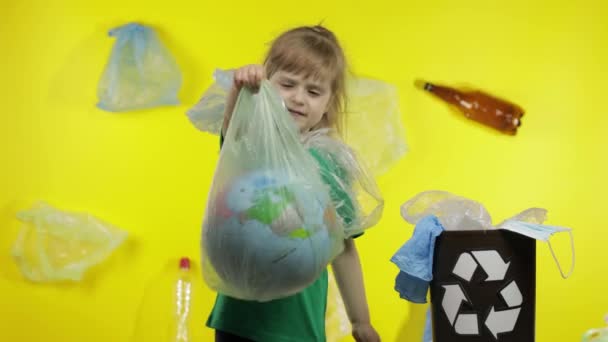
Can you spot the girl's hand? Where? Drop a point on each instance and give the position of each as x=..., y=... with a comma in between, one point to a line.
x=249, y=76
x=364, y=332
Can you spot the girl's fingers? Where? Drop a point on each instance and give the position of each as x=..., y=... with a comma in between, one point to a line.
x=238, y=78
x=259, y=75
x=253, y=77
x=249, y=76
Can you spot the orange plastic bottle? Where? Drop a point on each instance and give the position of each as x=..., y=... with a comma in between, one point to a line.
x=481, y=107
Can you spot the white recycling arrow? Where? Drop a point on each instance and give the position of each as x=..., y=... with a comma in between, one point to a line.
x=496, y=268
x=452, y=298
x=465, y=266
x=492, y=264
x=512, y=295
x=502, y=321
x=466, y=324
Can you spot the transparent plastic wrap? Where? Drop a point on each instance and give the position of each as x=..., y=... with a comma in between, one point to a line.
x=459, y=213
x=373, y=126
x=270, y=228
x=141, y=73
x=56, y=245
x=598, y=334
x=354, y=191
x=373, y=123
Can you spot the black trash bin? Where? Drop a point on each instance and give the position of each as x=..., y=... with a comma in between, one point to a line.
x=484, y=286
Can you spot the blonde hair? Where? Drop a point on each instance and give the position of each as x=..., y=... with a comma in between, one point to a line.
x=315, y=52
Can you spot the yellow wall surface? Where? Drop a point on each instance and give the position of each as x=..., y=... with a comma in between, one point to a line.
x=149, y=172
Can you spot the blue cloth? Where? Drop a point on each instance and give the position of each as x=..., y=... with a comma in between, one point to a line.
x=415, y=260
x=411, y=288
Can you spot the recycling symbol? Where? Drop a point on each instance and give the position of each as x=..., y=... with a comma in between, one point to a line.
x=497, y=321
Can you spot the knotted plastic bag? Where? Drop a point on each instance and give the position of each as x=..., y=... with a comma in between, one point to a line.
x=373, y=121
x=270, y=228
x=55, y=245
x=141, y=73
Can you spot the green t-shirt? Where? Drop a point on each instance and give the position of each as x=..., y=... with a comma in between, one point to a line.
x=298, y=318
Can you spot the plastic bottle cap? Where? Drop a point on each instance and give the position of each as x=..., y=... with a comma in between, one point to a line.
x=184, y=263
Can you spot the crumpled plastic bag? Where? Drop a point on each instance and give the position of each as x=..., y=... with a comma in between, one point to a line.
x=141, y=73
x=459, y=213
x=55, y=245
x=373, y=120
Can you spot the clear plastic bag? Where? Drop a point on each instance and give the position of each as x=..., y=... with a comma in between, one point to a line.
x=373, y=125
x=141, y=73
x=459, y=213
x=55, y=245
x=270, y=227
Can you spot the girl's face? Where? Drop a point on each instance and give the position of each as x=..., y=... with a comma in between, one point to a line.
x=307, y=99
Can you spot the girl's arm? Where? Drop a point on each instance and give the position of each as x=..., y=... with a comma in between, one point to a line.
x=349, y=277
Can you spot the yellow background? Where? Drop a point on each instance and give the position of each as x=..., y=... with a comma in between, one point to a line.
x=149, y=172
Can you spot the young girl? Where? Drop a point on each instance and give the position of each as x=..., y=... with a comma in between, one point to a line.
x=307, y=67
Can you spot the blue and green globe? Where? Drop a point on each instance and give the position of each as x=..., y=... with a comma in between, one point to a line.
x=269, y=235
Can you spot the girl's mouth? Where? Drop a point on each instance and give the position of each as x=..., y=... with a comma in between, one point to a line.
x=296, y=113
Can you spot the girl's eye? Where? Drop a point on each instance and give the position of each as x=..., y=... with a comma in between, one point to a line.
x=286, y=85
x=314, y=93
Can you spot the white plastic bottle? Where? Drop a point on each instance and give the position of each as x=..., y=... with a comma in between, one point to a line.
x=180, y=332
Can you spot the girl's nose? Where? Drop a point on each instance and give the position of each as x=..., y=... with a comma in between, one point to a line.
x=297, y=96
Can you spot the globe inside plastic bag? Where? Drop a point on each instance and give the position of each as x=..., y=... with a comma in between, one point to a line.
x=141, y=73
x=459, y=213
x=270, y=228
x=55, y=245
